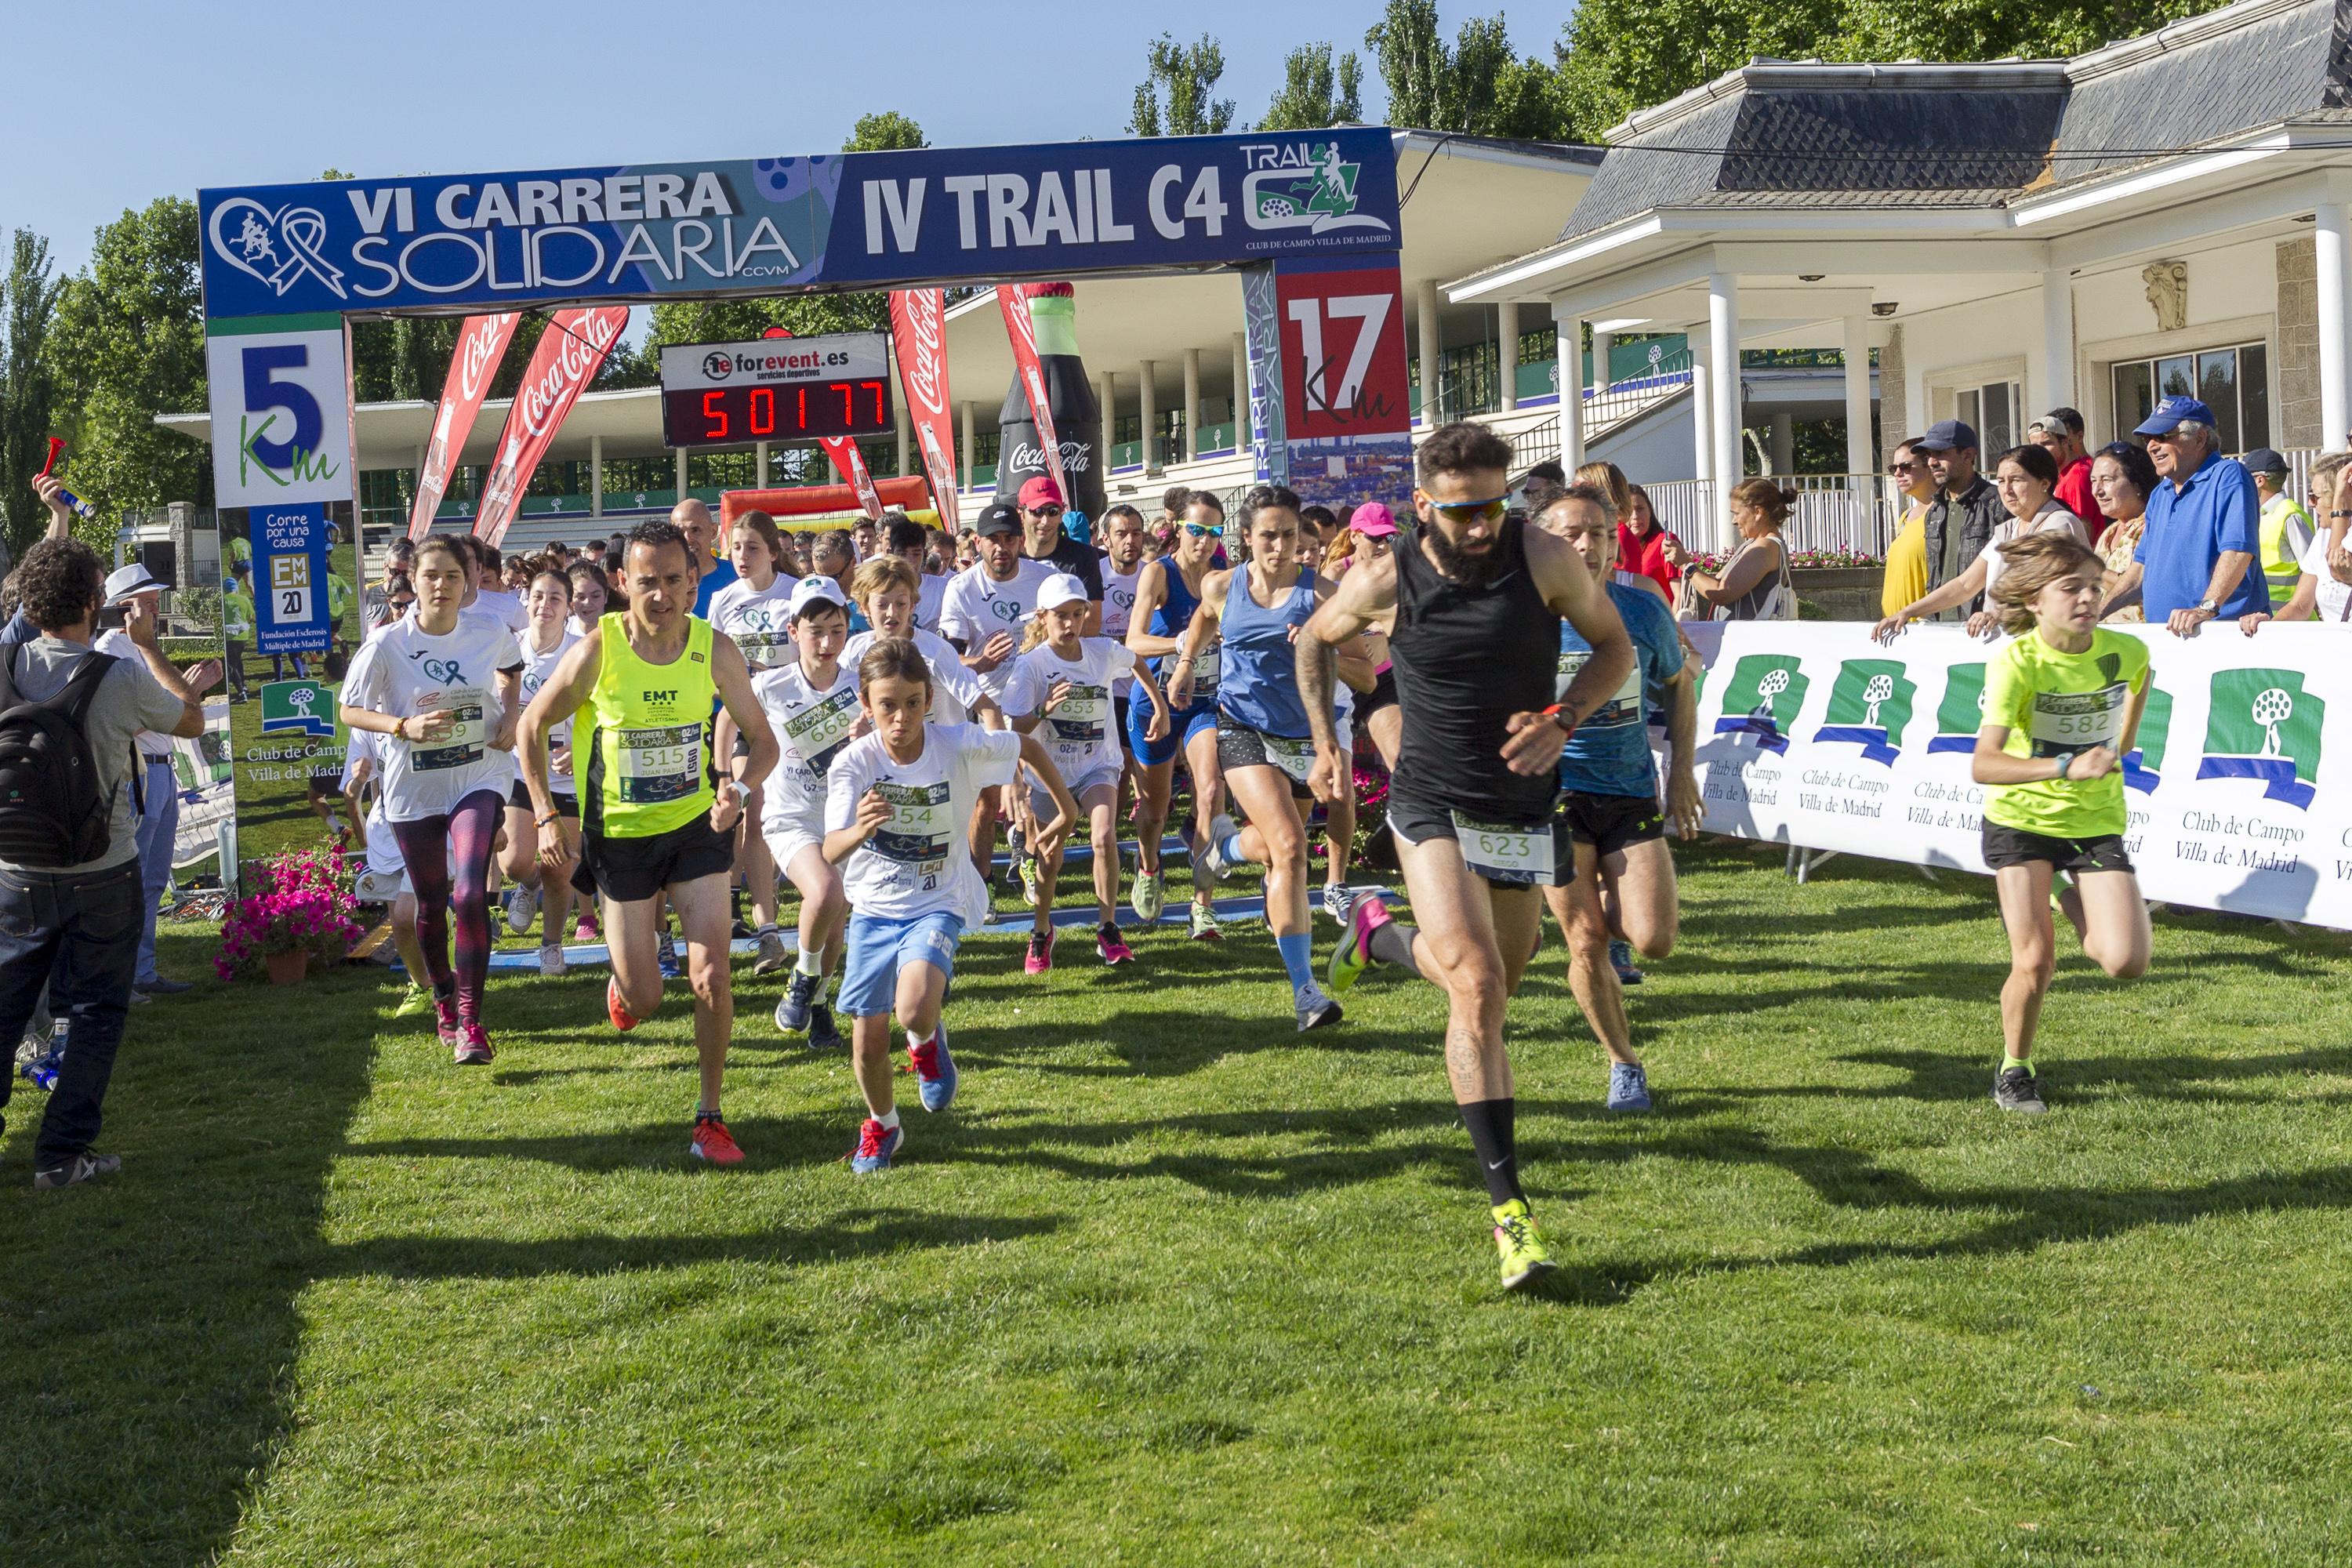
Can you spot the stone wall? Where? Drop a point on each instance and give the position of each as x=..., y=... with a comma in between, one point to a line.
x=2296, y=417
x=1894, y=413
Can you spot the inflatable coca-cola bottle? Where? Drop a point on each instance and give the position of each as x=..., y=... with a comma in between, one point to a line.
x=1070, y=400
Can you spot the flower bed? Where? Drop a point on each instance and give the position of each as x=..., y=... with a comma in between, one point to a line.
x=301, y=902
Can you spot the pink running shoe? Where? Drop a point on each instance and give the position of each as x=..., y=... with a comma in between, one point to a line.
x=1041, y=953
x=1111, y=946
x=473, y=1047
x=444, y=1021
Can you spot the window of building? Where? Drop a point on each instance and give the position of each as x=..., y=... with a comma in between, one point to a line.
x=2234, y=382
x=1991, y=410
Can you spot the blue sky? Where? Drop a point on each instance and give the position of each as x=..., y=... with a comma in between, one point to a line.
x=121, y=103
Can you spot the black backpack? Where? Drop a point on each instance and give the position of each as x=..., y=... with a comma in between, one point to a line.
x=52, y=812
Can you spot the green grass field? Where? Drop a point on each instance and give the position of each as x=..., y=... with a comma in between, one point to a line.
x=1175, y=1285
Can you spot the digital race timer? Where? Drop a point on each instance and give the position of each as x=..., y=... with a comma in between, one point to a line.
x=776, y=389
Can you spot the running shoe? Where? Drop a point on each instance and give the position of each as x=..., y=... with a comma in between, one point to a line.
x=1212, y=857
x=1025, y=867
x=774, y=953
x=1149, y=896
x=1041, y=953
x=876, y=1145
x=1204, y=924
x=1620, y=959
x=473, y=1047
x=1315, y=1008
x=1112, y=948
x=666, y=951
x=825, y=1034
x=444, y=1021
x=83, y=1167
x=1525, y=1257
x=1366, y=914
x=622, y=1019
x=585, y=929
x=1015, y=851
x=935, y=1070
x=551, y=961
x=1336, y=899
x=712, y=1143
x=415, y=1000
x=2018, y=1089
x=523, y=904
x=792, y=1011
x=1629, y=1086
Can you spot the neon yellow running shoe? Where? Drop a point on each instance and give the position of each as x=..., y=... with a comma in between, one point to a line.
x=1525, y=1259
x=416, y=999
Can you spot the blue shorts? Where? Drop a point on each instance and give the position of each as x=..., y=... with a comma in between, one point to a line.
x=879, y=947
x=1183, y=725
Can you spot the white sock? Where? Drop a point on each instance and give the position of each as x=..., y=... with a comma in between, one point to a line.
x=808, y=962
x=914, y=1039
x=889, y=1120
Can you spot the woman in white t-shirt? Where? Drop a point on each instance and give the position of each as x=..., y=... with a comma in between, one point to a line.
x=447, y=688
x=544, y=642
x=385, y=879
x=754, y=610
x=2027, y=479
x=812, y=705
x=898, y=804
x=1062, y=687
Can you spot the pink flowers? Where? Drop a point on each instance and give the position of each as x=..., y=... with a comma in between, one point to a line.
x=298, y=903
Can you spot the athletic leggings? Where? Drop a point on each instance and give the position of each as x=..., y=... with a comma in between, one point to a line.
x=430, y=845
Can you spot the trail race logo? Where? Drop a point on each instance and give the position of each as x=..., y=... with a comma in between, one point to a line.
x=1304, y=187
x=2143, y=765
x=1766, y=694
x=1870, y=705
x=304, y=707
x=2261, y=724
x=1961, y=714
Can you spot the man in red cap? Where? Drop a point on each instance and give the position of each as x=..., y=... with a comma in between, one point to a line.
x=1041, y=539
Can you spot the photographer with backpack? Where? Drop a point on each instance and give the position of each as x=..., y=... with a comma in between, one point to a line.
x=69, y=811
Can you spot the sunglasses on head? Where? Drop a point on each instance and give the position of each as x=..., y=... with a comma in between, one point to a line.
x=1203, y=531
x=1472, y=511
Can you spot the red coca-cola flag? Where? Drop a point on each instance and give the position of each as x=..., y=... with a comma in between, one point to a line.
x=565, y=361
x=482, y=344
x=850, y=464
x=918, y=332
x=1013, y=298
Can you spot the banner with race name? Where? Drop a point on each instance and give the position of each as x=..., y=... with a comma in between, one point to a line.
x=1816, y=735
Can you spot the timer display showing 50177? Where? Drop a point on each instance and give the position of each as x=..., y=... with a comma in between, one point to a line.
x=729, y=415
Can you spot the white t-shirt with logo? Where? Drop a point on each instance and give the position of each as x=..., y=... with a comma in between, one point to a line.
x=506, y=608
x=919, y=862
x=1082, y=729
x=955, y=689
x=812, y=725
x=930, y=598
x=978, y=606
x=408, y=671
x=2333, y=595
x=1118, y=607
x=758, y=621
x=538, y=668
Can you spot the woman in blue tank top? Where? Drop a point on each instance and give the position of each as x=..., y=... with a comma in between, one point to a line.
x=1264, y=742
x=1167, y=592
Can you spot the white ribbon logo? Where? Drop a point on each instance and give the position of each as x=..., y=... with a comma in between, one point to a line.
x=250, y=237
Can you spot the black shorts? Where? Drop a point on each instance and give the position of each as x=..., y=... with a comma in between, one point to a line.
x=1381, y=695
x=1610, y=822
x=1119, y=707
x=1415, y=822
x=629, y=870
x=566, y=805
x=2016, y=846
x=1240, y=746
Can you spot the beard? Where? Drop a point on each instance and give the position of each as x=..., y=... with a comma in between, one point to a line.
x=1459, y=566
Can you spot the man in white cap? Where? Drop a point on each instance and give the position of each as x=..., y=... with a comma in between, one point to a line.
x=159, y=825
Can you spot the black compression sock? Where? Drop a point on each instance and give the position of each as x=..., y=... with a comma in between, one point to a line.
x=1493, y=1136
x=1392, y=944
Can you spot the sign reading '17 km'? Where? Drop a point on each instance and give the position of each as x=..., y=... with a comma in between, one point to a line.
x=776, y=389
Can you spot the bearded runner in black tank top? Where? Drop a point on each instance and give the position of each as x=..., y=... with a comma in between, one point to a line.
x=1467, y=658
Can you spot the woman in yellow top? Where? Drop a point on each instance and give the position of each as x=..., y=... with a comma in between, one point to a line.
x=1907, y=555
x=2062, y=703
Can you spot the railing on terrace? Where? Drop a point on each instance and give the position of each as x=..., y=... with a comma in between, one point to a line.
x=1664, y=376
x=1854, y=513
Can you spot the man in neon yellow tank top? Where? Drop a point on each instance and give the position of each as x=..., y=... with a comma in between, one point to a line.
x=654, y=819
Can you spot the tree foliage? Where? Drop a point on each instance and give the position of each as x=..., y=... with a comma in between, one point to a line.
x=1178, y=94
x=1475, y=85
x=28, y=304
x=1316, y=91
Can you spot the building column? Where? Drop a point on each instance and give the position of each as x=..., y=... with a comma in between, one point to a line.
x=1144, y=372
x=1424, y=306
x=1601, y=344
x=1860, y=457
x=1106, y=411
x=2333, y=235
x=1569, y=351
x=1506, y=334
x=759, y=463
x=1783, y=443
x=1242, y=429
x=1192, y=404
x=596, y=474
x=963, y=410
x=1702, y=440
x=1723, y=415
x=2057, y=343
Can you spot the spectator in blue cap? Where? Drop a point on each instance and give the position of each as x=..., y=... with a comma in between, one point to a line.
x=2197, y=553
x=1966, y=512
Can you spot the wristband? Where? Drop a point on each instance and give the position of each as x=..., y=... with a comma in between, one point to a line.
x=550, y=817
x=742, y=791
x=2064, y=760
x=1560, y=718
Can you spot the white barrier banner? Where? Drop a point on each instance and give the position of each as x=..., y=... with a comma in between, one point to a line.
x=1815, y=735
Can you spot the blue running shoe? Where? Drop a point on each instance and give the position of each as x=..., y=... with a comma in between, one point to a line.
x=667, y=953
x=792, y=1011
x=935, y=1070
x=876, y=1145
x=1620, y=959
x=1629, y=1086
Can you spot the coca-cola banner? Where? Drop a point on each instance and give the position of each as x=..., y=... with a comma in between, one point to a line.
x=850, y=464
x=918, y=332
x=482, y=344
x=1029, y=378
x=565, y=361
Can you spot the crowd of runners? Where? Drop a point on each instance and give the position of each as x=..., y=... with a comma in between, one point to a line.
x=683, y=719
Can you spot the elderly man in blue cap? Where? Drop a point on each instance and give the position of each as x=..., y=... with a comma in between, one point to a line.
x=2197, y=551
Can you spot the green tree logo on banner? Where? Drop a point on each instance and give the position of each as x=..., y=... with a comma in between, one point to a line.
x=1870, y=705
x=304, y=707
x=2261, y=724
x=1961, y=714
x=2144, y=763
x=1766, y=693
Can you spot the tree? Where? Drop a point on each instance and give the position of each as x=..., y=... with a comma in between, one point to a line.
x=27, y=384
x=1315, y=93
x=887, y=132
x=1476, y=87
x=1187, y=74
x=128, y=343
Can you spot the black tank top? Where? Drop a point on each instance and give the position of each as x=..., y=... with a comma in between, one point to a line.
x=1466, y=659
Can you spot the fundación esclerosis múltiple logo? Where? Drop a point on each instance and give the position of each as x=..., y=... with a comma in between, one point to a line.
x=1870, y=706
x=1961, y=714
x=304, y=707
x=1763, y=697
x=2261, y=724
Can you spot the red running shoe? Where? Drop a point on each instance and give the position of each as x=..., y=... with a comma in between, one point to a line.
x=444, y=1021
x=473, y=1047
x=622, y=1019
x=713, y=1143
